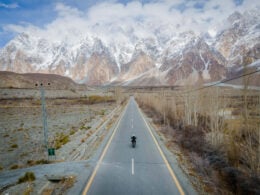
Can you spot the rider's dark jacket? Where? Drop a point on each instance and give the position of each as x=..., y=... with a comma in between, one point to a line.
x=133, y=138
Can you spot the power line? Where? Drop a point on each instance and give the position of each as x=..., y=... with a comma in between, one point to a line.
x=223, y=81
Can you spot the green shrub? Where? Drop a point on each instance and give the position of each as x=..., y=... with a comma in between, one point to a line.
x=85, y=128
x=28, y=176
x=61, y=139
x=42, y=161
x=30, y=162
x=102, y=112
x=37, y=162
x=14, y=146
x=72, y=131
x=14, y=167
x=28, y=190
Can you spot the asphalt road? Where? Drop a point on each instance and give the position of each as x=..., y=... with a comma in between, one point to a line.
x=127, y=170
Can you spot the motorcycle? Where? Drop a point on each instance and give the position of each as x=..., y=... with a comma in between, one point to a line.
x=133, y=143
x=133, y=140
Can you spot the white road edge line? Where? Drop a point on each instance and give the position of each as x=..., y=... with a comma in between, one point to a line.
x=133, y=166
x=93, y=174
x=163, y=156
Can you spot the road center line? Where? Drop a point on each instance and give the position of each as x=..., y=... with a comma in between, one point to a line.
x=133, y=166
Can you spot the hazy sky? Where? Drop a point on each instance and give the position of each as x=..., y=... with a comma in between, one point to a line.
x=55, y=19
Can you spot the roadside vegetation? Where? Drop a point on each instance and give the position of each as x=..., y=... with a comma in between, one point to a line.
x=15, y=166
x=98, y=99
x=68, y=117
x=37, y=162
x=61, y=139
x=217, y=130
x=28, y=177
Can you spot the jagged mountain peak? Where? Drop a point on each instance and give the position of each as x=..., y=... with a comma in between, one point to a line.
x=131, y=53
x=234, y=17
x=240, y=38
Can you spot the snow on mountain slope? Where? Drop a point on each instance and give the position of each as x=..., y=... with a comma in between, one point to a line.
x=240, y=37
x=131, y=51
x=195, y=62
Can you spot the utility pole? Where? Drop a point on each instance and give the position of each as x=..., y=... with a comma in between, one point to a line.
x=44, y=115
x=168, y=98
x=106, y=94
x=164, y=109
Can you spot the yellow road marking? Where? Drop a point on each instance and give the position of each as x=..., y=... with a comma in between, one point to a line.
x=164, y=158
x=90, y=181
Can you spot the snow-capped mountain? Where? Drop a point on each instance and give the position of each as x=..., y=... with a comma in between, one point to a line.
x=195, y=61
x=164, y=56
x=240, y=37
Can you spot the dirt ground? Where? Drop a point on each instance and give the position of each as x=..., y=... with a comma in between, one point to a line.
x=69, y=123
x=76, y=129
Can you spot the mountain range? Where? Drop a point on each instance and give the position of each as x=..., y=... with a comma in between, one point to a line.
x=164, y=57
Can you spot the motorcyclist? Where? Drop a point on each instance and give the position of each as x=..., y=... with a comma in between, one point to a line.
x=133, y=138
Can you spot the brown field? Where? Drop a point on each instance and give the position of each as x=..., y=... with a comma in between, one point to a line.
x=217, y=129
x=68, y=119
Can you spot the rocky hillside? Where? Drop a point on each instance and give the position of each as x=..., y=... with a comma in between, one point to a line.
x=180, y=58
x=30, y=80
x=240, y=39
x=197, y=61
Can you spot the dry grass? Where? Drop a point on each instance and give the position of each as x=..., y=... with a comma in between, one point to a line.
x=14, y=146
x=37, y=162
x=28, y=176
x=60, y=187
x=217, y=129
x=28, y=190
x=72, y=131
x=67, y=118
x=60, y=140
x=97, y=99
x=68, y=182
x=15, y=166
x=47, y=191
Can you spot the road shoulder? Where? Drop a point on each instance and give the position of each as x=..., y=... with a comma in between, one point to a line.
x=171, y=158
